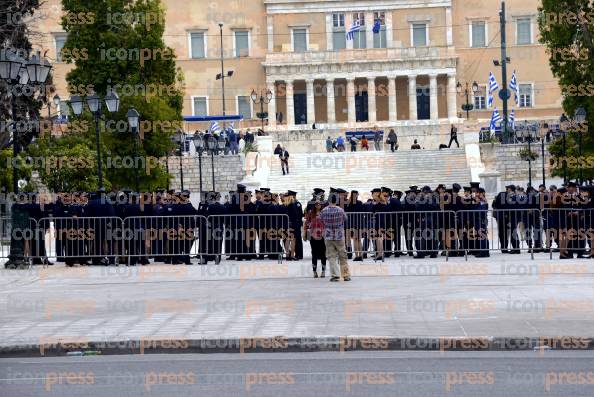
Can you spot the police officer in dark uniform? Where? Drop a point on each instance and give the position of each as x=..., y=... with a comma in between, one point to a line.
x=184, y=226
x=501, y=206
x=396, y=208
x=103, y=247
x=356, y=220
x=212, y=238
x=408, y=217
x=295, y=212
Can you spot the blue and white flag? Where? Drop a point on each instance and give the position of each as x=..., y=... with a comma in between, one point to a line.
x=495, y=118
x=493, y=86
x=513, y=85
x=214, y=127
x=377, y=26
x=354, y=28
x=512, y=119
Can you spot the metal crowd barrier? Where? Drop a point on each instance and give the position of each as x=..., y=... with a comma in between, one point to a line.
x=170, y=239
x=242, y=236
x=416, y=233
x=568, y=230
x=79, y=239
x=178, y=239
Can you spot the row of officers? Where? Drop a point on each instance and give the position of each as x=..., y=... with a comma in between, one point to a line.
x=422, y=222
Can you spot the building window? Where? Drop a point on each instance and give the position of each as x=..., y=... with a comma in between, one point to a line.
x=199, y=106
x=480, y=98
x=197, y=45
x=526, y=96
x=359, y=37
x=419, y=34
x=379, y=38
x=523, y=31
x=244, y=107
x=338, y=32
x=300, y=40
x=59, y=40
x=478, y=34
x=242, y=43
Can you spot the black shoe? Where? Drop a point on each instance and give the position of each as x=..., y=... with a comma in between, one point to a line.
x=315, y=274
x=397, y=254
x=358, y=259
x=505, y=251
x=347, y=279
x=323, y=275
x=515, y=252
x=349, y=255
x=334, y=279
x=365, y=256
x=411, y=254
x=419, y=256
x=387, y=255
x=433, y=256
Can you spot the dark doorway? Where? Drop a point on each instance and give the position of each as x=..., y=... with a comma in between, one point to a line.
x=300, y=103
x=361, y=108
x=423, y=105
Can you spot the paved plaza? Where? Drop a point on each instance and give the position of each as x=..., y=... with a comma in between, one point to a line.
x=500, y=296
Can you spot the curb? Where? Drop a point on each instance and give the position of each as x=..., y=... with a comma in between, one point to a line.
x=49, y=347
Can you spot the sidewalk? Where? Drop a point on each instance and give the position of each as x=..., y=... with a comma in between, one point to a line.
x=499, y=297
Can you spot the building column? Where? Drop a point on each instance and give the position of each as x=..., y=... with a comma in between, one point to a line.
x=329, y=46
x=449, y=30
x=371, y=107
x=389, y=31
x=412, y=97
x=433, y=104
x=290, y=105
x=272, y=105
x=311, y=110
x=348, y=21
x=270, y=33
x=331, y=106
x=352, y=117
x=369, y=29
x=392, y=103
x=452, y=97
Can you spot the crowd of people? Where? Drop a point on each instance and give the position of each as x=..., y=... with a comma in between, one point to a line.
x=421, y=222
x=235, y=141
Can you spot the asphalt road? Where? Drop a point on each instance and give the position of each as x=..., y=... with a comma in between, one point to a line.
x=550, y=373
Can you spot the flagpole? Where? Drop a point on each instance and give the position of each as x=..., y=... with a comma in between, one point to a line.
x=504, y=91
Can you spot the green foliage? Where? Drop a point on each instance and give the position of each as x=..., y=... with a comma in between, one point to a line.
x=526, y=154
x=153, y=86
x=7, y=164
x=569, y=38
x=67, y=164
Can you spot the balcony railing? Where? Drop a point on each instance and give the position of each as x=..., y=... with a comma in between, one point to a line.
x=358, y=55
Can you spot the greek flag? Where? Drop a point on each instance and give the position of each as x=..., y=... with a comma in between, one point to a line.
x=513, y=85
x=495, y=118
x=493, y=86
x=214, y=127
x=354, y=28
x=512, y=119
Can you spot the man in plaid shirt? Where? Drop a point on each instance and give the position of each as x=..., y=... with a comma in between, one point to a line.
x=334, y=218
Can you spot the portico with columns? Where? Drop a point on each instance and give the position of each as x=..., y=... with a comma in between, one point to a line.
x=362, y=95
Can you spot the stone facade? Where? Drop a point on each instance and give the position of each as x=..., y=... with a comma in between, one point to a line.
x=228, y=171
x=506, y=160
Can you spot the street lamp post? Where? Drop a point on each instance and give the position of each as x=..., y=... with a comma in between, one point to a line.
x=263, y=99
x=222, y=75
x=133, y=119
x=199, y=145
x=112, y=100
x=542, y=151
x=467, y=107
x=56, y=101
x=16, y=71
x=529, y=158
x=180, y=139
x=579, y=117
x=212, y=144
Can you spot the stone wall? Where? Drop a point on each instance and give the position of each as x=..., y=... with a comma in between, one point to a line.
x=228, y=171
x=505, y=159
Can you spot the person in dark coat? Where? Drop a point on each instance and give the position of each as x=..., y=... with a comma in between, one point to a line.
x=314, y=232
x=408, y=217
x=502, y=204
x=295, y=212
x=102, y=249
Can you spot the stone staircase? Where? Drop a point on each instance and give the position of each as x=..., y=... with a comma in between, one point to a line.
x=364, y=171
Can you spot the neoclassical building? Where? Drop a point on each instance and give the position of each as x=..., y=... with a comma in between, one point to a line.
x=399, y=69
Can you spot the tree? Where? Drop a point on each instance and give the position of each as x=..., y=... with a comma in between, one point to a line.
x=16, y=17
x=569, y=36
x=96, y=47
